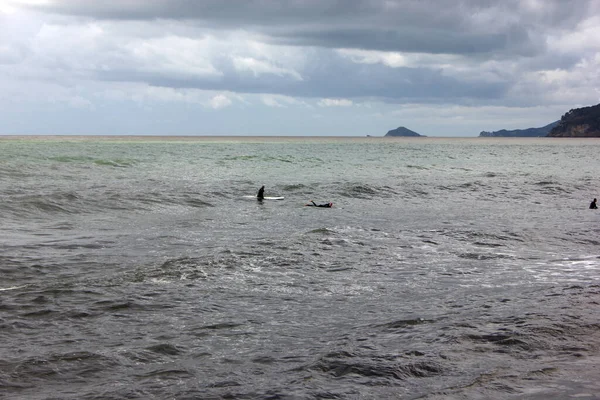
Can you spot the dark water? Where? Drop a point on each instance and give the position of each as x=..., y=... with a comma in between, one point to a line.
x=447, y=269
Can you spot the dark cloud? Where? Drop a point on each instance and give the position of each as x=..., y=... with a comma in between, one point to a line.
x=427, y=26
x=334, y=77
x=401, y=39
x=472, y=52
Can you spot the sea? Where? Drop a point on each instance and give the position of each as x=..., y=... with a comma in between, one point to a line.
x=448, y=268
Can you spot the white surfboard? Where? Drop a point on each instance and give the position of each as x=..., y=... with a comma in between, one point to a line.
x=266, y=197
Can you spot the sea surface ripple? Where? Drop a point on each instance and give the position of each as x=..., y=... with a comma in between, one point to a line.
x=139, y=268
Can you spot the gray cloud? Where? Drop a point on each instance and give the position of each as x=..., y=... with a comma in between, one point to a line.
x=400, y=39
x=368, y=55
x=328, y=75
x=431, y=26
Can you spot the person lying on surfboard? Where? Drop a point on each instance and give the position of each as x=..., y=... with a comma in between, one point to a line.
x=328, y=205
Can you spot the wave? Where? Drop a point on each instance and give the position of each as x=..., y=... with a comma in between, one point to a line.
x=12, y=288
x=484, y=256
x=242, y=158
x=18, y=172
x=165, y=349
x=118, y=162
x=491, y=175
x=246, y=157
x=75, y=365
x=335, y=190
x=295, y=187
x=343, y=363
x=365, y=191
x=552, y=189
x=56, y=203
x=473, y=186
x=323, y=231
x=404, y=323
x=25, y=206
x=484, y=239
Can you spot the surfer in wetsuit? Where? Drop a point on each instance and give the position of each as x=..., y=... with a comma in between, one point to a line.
x=593, y=204
x=261, y=193
x=328, y=205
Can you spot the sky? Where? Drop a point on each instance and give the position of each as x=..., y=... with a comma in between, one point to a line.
x=294, y=67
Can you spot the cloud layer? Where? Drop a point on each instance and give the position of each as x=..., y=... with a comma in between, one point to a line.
x=319, y=58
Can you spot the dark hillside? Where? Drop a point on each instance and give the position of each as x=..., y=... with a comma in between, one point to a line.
x=579, y=122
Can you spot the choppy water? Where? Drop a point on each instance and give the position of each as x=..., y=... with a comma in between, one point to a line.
x=135, y=268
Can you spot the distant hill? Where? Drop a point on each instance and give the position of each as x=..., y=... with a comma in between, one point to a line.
x=579, y=122
x=402, y=131
x=530, y=132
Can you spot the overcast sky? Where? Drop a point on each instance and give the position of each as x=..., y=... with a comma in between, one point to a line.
x=294, y=67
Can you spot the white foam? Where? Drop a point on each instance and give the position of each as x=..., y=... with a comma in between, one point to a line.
x=12, y=288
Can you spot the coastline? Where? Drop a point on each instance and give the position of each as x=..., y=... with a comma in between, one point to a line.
x=295, y=139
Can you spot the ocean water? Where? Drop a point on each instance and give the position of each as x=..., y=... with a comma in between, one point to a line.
x=135, y=268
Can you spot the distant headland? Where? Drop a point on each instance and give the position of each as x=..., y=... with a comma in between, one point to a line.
x=402, y=131
x=529, y=132
x=578, y=122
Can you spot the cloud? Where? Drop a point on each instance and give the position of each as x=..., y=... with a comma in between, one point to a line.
x=288, y=55
x=93, y=48
x=279, y=101
x=335, y=103
x=260, y=67
x=142, y=93
x=11, y=54
x=80, y=102
x=397, y=51
x=220, y=101
x=464, y=27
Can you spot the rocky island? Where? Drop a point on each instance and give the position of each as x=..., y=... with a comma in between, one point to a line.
x=579, y=122
x=402, y=131
x=529, y=132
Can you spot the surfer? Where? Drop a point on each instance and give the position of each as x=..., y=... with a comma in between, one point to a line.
x=261, y=193
x=593, y=204
x=328, y=205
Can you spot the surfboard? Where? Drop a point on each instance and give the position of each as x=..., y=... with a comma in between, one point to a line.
x=266, y=197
